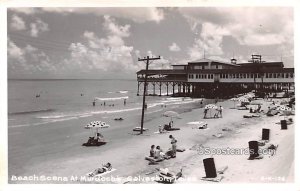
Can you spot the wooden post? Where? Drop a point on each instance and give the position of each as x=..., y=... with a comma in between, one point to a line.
x=145, y=88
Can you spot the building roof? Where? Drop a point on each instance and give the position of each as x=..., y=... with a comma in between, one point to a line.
x=218, y=71
x=205, y=60
x=263, y=64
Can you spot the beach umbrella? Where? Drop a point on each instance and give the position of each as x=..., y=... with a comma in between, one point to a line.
x=283, y=108
x=243, y=99
x=171, y=114
x=250, y=95
x=211, y=106
x=256, y=102
x=284, y=101
x=234, y=100
x=96, y=125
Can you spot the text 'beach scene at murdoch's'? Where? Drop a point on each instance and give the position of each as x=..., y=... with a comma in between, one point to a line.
x=150, y=95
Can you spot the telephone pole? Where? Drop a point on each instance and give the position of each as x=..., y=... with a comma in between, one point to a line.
x=147, y=59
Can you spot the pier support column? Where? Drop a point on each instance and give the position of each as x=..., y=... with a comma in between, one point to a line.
x=138, y=90
x=167, y=88
x=153, y=88
x=173, y=88
x=159, y=88
x=146, y=84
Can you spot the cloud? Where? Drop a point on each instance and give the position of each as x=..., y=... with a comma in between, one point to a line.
x=108, y=54
x=38, y=27
x=25, y=10
x=17, y=23
x=247, y=25
x=14, y=52
x=208, y=41
x=250, y=27
x=28, y=60
x=138, y=14
x=174, y=47
x=111, y=26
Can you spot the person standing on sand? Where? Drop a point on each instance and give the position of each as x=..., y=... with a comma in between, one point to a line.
x=220, y=112
x=94, y=102
x=173, y=143
x=205, y=113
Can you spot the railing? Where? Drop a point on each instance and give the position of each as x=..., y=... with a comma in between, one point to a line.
x=162, y=79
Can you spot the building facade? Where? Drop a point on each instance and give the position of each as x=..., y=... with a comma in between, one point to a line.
x=212, y=78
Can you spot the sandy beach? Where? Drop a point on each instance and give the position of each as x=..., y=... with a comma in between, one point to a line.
x=57, y=151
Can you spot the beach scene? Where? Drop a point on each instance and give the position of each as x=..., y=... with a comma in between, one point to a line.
x=129, y=96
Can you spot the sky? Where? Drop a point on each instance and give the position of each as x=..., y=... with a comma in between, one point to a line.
x=105, y=43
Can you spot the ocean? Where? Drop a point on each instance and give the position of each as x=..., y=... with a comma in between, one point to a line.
x=37, y=102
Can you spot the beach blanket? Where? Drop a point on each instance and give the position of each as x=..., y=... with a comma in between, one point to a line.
x=151, y=159
x=180, y=150
x=163, y=132
x=139, y=129
x=242, y=108
x=217, y=179
x=219, y=135
x=101, y=174
x=222, y=170
x=173, y=129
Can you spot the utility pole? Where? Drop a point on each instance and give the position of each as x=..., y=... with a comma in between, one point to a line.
x=147, y=59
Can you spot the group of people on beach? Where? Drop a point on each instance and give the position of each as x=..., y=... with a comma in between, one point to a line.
x=218, y=114
x=104, y=103
x=158, y=154
x=96, y=140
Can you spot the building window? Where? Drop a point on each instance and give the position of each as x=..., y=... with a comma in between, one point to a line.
x=286, y=75
x=217, y=66
x=291, y=75
x=203, y=67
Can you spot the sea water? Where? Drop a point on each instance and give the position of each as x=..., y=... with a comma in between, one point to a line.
x=36, y=102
